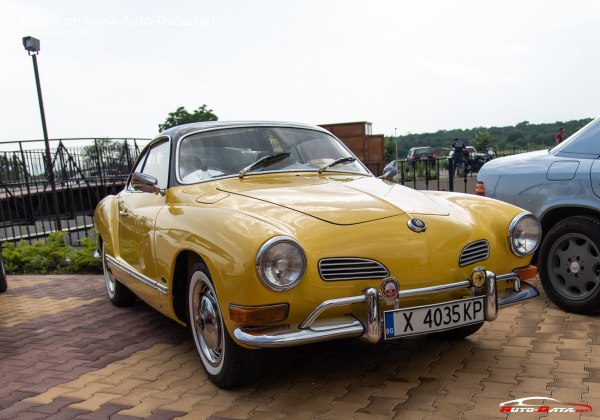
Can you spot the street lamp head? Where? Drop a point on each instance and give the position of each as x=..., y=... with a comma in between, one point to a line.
x=31, y=44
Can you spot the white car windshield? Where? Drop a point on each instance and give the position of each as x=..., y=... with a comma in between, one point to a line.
x=226, y=152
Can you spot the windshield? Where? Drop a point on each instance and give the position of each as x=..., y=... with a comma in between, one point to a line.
x=226, y=152
x=584, y=142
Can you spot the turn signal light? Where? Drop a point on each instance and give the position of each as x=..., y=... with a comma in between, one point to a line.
x=480, y=189
x=526, y=273
x=258, y=314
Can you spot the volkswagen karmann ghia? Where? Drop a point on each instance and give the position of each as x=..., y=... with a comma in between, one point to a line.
x=264, y=235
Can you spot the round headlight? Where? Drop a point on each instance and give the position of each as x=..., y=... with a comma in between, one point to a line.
x=524, y=234
x=280, y=263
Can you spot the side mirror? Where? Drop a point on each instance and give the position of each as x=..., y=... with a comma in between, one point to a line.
x=390, y=170
x=145, y=183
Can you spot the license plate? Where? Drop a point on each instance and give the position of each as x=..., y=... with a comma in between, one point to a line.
x=431, y=318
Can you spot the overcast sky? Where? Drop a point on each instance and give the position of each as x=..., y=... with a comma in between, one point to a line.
x=117, y=68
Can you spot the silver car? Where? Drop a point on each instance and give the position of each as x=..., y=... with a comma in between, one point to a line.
x=561, y=187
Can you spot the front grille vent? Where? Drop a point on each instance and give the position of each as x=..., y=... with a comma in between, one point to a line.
x=474, y=252
x=334, y=269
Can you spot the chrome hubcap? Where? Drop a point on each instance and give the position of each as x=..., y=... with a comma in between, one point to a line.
x=207, y=323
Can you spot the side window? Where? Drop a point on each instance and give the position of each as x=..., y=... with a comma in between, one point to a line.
x=156, y=163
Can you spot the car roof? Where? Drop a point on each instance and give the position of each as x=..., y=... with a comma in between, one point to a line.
x=180, y=131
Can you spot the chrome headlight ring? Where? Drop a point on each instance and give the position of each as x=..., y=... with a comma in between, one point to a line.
x=280, y=263
x=524, y=234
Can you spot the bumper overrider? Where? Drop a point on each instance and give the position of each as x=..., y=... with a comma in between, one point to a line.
x=371, y=329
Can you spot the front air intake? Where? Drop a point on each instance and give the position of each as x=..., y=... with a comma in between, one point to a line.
x=474, y=252
x=335, y=269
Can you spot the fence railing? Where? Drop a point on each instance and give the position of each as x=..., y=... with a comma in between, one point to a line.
x=85, y=171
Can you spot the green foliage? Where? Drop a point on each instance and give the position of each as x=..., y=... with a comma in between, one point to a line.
x=50, y=255
x=523, y=136
x=484, y=139
x=43, y=256
x=182, y=116
x=82, y=259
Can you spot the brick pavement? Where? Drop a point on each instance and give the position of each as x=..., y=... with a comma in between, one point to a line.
x=66, y=353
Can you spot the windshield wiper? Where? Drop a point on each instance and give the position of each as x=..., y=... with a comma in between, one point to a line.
x=264, y=161
x=336, y=162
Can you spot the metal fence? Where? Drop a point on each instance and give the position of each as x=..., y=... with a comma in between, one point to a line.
x=85, y=171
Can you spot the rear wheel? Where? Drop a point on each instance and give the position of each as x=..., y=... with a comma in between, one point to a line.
x=118, y=293
x=570, y=264
x=226, y=363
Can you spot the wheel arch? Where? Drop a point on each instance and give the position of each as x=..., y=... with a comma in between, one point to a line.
x=552, y=216
x=183, y=265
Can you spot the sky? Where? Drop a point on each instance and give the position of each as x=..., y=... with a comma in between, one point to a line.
x=118, y=68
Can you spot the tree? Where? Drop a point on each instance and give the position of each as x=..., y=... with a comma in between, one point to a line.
x=182, y=116
x=484, y=139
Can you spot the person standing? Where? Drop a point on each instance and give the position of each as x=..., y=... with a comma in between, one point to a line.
x=458, y=147
x=560, y=135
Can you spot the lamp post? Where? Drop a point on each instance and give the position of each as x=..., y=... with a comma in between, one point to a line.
x=32, y=46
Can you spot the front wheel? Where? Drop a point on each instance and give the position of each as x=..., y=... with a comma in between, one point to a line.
x=570, y=264
x=226, y=363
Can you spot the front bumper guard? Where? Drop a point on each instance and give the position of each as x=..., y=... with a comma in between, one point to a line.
x=313, y=330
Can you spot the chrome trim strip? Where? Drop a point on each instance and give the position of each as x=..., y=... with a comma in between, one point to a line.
x=332, y=303
x=270, y=338
x=527, y=292
x=373, y=330
x=140, y=277
x=491, y=297
x=434, y=289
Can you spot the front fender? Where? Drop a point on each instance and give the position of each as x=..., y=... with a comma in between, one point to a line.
x=106, y=216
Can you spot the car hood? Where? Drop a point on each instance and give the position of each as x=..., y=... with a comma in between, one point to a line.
x=343, y=200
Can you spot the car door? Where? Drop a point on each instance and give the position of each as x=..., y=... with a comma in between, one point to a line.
x=137, y=216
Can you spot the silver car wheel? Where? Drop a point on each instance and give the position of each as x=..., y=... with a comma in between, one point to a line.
x=574, y=266
x=207, y=325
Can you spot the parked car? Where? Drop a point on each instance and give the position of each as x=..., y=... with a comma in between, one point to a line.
x=562, y=187
x=260, y=234
x=419, y=154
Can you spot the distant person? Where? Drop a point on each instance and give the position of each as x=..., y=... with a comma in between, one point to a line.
x=560, y=135
x=458, y=148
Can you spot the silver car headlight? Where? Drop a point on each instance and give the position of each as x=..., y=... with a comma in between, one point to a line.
x=524, y=234
x=280, y=263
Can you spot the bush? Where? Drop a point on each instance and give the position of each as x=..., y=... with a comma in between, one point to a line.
x=50, y=255
x=82, y=259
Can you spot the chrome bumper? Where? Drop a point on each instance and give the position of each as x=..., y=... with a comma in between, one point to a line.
x=313, y=330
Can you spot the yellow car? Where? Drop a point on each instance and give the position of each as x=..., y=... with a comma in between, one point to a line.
x=261, y=234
